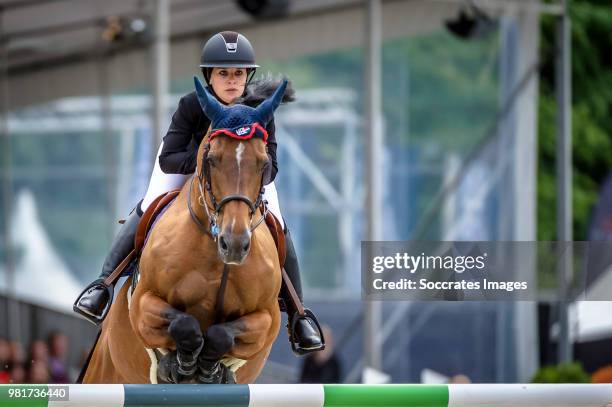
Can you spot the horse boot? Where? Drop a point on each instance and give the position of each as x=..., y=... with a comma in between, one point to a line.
x=94, y=302
x=304, y=330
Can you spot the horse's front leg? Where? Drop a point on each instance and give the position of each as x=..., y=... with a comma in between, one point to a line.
x=159, y=325
x=242, y=338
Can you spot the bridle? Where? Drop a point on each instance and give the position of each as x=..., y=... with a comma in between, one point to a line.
x=203, y=174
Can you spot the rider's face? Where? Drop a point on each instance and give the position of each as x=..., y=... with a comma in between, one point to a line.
x=228, y=83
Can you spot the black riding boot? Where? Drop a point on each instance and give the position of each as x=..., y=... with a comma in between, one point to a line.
x=304, y=331
x=94, y=302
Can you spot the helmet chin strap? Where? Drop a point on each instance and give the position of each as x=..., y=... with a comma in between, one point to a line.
x=250, y=77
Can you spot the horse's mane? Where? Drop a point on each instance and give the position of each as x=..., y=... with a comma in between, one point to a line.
x=263, y=87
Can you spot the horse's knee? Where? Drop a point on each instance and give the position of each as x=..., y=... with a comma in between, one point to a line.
x=219, y=341
x=185, y=330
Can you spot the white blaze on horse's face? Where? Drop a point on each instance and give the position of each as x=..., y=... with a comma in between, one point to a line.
x=239, y=151
x=238, y=174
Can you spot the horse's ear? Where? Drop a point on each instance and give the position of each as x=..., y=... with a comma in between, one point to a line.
x=267, y=107
x=210, y=105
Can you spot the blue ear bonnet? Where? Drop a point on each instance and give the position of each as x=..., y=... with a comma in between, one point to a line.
x=235, y=116
x=231, y=117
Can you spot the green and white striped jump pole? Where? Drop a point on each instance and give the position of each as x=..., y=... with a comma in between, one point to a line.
x=308, y=395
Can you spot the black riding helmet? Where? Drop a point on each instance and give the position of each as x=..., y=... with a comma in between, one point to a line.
x=228, y=49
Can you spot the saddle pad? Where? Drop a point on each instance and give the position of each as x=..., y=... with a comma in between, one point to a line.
x=155, y=220
x=159, y=205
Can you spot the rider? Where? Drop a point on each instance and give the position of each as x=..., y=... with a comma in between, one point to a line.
x=228, y=65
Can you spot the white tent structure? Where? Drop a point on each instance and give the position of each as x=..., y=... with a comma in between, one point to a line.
x=41, y=276
x=591, y=319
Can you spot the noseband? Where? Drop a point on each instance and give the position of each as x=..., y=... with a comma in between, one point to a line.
x=213, y=213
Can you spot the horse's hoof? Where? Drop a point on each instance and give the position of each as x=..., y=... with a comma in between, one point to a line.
x=164, y=369
x=168, y=370
x=211, y=372
x=215, y=373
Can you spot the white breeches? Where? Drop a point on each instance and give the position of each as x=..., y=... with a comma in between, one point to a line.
x=161, y=182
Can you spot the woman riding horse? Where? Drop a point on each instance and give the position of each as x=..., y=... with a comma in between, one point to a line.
x=204, y=299
x=228, y=65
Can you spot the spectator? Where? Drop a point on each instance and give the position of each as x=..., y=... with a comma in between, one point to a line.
x=322, y=366
x=459, y=379
x=18, y=373
x=38, y=362
x=58, y=368
x=603, y=375
x=38, y=373
x=39, y=352
x=17, y=353
x=5, y=355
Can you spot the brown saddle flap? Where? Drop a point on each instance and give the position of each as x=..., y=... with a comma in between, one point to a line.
x=149, y=217
x=279, y=236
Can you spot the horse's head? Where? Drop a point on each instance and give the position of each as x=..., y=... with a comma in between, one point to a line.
x=231, y=168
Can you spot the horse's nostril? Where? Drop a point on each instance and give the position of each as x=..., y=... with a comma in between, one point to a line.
x=223, y=243
x=245, y=247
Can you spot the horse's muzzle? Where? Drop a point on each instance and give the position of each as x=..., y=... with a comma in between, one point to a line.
x=234, y=248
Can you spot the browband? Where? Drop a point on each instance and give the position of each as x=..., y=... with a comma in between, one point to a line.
x=243, y=132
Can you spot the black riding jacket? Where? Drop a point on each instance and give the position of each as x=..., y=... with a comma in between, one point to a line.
x=188, y=128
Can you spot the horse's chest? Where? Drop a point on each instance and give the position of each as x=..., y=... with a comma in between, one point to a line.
x=193, y=289
x=197, y=294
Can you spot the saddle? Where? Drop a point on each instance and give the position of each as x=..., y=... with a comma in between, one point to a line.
x=158, y=206
x=150, y=215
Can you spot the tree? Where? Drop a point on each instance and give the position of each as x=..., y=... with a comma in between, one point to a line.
x=591, y=114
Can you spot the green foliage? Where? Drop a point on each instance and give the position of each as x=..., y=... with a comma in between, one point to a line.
x=451, y=87
x=437, y=89
x=591, y=115
x=562, y=373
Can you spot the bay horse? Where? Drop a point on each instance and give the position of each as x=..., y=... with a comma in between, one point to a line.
x=202, y=307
